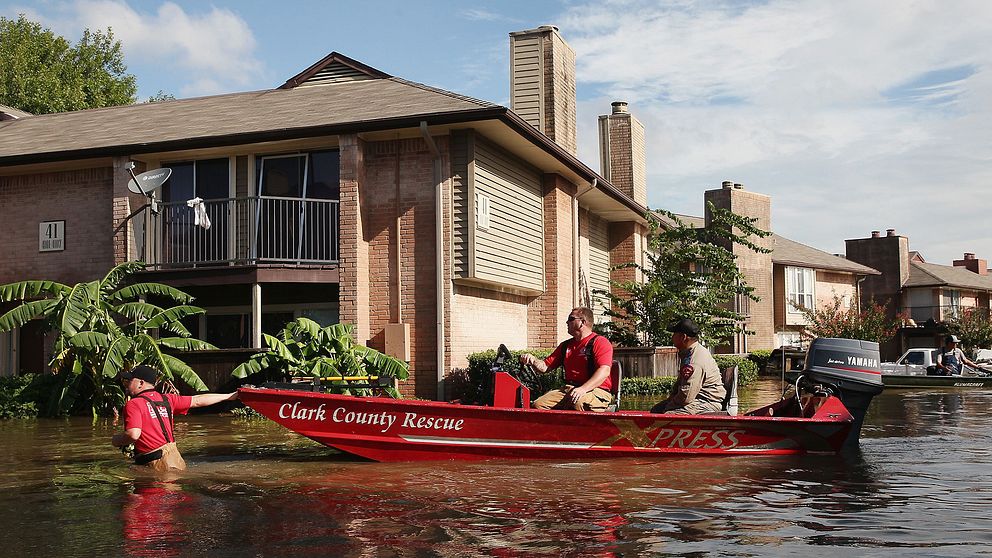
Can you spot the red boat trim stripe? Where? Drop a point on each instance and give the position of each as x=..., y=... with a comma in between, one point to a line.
x=494, y=443
x=862, y=370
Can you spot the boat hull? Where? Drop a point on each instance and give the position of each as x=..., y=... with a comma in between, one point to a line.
x=383, y=429
x=921, y=381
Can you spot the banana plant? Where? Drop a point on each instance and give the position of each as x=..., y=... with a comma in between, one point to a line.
x=103, y=328
x=304, y=348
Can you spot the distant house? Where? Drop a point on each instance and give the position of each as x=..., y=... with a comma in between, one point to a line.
x=437, y=224
x=790, y=276
x=928, y=294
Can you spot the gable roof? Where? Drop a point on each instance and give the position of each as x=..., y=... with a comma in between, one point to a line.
x=935, y=275
x=790, y=252
x=333, y=68
x=11, y=113
x=238, y=117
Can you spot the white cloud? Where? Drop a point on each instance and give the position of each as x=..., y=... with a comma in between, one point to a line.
x=212, y=50
x=854, y=116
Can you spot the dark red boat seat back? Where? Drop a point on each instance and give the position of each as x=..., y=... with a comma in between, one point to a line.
x=730, y=384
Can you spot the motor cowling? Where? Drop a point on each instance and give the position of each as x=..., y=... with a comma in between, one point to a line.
x=851, y=369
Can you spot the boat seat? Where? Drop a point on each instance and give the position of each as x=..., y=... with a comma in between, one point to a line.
x=616, y=374
x=729, y=405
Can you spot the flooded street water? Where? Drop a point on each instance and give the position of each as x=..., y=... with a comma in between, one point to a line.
x=921, y=485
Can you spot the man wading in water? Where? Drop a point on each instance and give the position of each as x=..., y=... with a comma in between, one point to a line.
x=148, y=419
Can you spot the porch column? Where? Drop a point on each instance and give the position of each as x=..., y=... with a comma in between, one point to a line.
x=124, y=248
x=352, y=242
x=256, y=315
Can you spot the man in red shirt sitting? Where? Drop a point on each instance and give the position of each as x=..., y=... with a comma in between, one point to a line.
x=586, y=358
x=148, y=419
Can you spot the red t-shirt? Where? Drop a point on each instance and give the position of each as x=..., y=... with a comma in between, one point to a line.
x=139, y=413
x=576, y=366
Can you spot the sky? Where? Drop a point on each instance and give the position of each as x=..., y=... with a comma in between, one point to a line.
x=853, y=115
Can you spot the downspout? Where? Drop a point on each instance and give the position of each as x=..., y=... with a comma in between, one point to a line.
x=576, y=264
x=439, y=251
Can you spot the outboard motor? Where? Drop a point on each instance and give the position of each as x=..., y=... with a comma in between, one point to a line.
x=850, y=368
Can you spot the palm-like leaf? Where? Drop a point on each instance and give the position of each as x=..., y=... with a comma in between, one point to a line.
x=24, y=290
x=26, y=312
x=117, y=355
x=181, y=370
x=170, y=319
x=116, y=276
x=138, y=290
x=78, y=308
x=185, y=344
x=137, y=310
x=251, y=366
x=93, y=340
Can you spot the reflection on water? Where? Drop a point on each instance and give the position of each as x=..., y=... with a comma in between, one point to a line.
x=919, y=486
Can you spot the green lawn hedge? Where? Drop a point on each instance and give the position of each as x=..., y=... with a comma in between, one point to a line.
x=23, y=396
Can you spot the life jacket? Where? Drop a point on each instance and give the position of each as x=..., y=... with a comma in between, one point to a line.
x=587, y=351
x=160, y=407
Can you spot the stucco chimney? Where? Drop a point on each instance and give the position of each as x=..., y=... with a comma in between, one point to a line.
x=890, y=232
x=973, y=264
x=542, y=83
x=621, y=152
x=876, y=234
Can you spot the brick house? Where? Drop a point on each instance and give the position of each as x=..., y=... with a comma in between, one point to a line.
x=927, y=293
x=791, y=275
x=437, y=224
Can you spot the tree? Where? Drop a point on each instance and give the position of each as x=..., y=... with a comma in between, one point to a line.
x=102, y=328
x=161, y=96
x=690, y=273
x=850, y=322
x=40, y=72
x=974, y=328
x=303, y=348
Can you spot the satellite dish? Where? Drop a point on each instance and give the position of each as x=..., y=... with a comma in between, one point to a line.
x=149, y=181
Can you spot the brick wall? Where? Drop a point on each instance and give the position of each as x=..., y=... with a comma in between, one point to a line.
x=481, y=319
x=83, y=199
x=547, y=312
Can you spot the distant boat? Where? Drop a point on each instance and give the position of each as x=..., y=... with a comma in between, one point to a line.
x=823, y=416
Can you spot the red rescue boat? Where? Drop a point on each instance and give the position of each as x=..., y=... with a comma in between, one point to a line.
x=823, y=416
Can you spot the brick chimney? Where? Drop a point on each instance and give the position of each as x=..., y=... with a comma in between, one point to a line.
x=973, y=264
x=542, y=83
x=621, y=152
x=888, y=254
x=757, y=268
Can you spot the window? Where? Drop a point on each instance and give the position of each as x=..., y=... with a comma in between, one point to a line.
x=482, y=211
x=952, y=303
x=208, y=180
x=296, y=218
x=799, y=282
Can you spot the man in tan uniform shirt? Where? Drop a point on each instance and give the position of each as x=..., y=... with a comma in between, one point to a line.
x=699, y=388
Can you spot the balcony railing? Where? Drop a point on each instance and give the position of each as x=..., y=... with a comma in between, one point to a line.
x=242, y=231
x=920, y=314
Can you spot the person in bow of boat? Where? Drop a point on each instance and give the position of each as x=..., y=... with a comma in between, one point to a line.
x=699, y=387
x=586, y=358
x=148, y=419
x=951, y=359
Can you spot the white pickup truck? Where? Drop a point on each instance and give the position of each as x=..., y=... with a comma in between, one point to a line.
x=915, y=362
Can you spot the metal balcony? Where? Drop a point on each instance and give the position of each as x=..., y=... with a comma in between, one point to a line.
x=243, y=231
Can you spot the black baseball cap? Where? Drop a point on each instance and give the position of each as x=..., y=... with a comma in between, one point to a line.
x=952, y=339
x=686, y=326
x=142, y=372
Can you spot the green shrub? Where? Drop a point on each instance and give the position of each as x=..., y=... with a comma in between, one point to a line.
x=633, y=387
x=747, y=370
x=469, y=384
x=760, y=358
x=22, y=396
